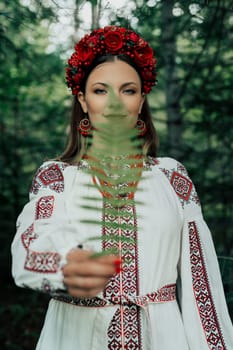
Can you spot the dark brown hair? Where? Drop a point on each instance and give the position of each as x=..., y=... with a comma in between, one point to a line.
x=77, y=144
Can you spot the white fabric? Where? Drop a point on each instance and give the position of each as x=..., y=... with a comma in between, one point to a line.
x=163, y=257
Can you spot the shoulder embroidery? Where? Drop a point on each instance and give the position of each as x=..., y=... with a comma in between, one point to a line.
x=181, y=183
x=50, y=175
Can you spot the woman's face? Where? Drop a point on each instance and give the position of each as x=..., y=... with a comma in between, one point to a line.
x=116, y=79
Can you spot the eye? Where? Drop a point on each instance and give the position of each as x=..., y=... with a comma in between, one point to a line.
x=129, y=91
x=100, y=91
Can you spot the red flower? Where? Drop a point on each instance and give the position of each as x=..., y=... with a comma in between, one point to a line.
x=85, y=53
x=97, y=31
x=146, y=75
x=78, y=77
x=73, y=61
x=146, y=89
x=143, y=55
x=142, y=42
x=134, y=37
x=113, y=41
x=121, y=30
x=92, y=41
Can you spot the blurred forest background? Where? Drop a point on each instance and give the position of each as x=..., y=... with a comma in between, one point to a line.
x=192, y=108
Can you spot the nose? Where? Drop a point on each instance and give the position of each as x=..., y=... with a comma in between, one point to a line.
x=114, y=106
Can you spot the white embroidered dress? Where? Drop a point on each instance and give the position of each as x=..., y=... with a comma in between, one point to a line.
x=138, y=309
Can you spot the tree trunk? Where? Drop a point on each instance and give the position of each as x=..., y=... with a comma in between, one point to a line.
x=174, y=117
x=78, y=5
x=95, y=11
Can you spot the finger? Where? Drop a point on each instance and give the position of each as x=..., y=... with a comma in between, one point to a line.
x=81, y=293
x=78, y=255
x=112, y=260
x=89, y=268
x=85, y=283
x=108, y=259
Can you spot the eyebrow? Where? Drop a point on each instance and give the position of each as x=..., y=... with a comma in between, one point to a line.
x=107, y=85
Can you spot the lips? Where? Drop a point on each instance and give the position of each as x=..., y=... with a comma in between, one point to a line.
x=115, y=115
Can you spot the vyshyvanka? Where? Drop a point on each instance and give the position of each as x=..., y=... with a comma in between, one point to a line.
x=169, y=294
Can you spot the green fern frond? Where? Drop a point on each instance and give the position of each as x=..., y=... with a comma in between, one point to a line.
x=111, y=211
x=113, y=202
x=109, y=251
x=129, y=174
x=115, y=165
x=111, y=225
x=114, y=238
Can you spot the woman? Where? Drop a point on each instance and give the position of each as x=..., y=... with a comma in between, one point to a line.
x=164, y=290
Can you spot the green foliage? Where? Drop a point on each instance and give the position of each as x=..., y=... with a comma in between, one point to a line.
x=226, y=268
x=115, y=163
x=32, y=109
x=22, y=315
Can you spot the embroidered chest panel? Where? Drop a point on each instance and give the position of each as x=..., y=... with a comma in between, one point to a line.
x=124, y=331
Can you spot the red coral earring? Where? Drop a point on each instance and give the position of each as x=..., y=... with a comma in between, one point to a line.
x=85, y=127
x=141, y=127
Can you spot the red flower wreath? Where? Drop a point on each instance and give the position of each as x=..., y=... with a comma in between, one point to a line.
x=111, y=40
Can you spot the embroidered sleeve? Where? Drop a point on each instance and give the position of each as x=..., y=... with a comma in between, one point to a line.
x=43, y=239
x=202, y=301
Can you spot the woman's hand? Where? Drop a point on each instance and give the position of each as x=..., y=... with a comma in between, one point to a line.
x=85, y=276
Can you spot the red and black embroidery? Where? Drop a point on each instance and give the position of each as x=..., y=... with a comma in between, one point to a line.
x=45, y=262
x=164, y=294
x=126, y=318
x=124, y=331
x=44, y=207
x=182, y=184
x=202, y=292
x=28, y=236
x=50, y=175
